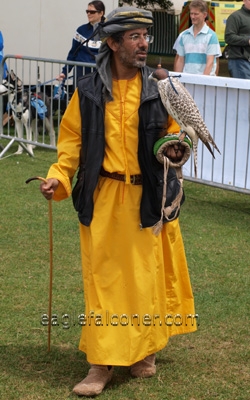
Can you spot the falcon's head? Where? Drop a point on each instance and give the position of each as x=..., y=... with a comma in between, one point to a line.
x=159, y=74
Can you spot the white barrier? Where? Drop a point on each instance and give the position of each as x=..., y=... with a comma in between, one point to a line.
x=225, y=106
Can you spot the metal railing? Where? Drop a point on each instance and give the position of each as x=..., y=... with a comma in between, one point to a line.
x=20, y=121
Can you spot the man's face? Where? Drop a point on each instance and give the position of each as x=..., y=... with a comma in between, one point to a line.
x=247, y=4
x=132, y=52
x=197, y=17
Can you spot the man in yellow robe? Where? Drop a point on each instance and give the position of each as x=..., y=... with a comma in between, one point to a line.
x=136, y=285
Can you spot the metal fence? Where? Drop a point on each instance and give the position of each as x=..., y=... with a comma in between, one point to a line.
x=32, y=84
x=223, y=102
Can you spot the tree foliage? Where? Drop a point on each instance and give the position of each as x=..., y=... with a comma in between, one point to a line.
x=158, y=4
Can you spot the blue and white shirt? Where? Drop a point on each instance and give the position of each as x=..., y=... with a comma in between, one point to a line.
x=196, y=49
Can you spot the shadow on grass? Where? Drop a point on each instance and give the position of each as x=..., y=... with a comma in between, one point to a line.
x=60, y=368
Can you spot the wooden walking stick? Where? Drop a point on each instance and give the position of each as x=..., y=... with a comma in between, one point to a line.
x=51, y=256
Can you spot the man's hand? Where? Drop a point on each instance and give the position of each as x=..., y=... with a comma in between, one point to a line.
x=48, y=189
x=175, y=152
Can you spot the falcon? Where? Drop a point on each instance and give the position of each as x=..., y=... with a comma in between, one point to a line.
x=183, y=109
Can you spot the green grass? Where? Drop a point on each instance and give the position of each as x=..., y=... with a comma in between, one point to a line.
x=213, y=363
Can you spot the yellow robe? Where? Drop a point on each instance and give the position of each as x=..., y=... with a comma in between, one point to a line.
x=136, y=286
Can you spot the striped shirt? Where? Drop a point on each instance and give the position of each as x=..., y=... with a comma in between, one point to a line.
x=196, y=49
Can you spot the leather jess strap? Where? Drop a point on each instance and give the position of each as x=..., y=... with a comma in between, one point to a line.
x=134, y=179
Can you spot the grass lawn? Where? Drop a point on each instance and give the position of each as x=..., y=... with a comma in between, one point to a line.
x=212, y=363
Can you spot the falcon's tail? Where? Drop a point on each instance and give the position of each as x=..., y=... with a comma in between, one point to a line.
x=209, y=148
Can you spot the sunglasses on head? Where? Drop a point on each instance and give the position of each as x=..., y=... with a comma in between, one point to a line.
x=91, y=11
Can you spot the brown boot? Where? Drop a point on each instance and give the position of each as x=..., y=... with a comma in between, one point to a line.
x=95, y=381
x=144, y=368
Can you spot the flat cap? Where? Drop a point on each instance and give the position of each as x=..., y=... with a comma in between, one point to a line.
x=123, y=19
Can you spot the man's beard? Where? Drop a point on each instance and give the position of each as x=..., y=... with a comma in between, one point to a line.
x=140, y=63
x=134, y=62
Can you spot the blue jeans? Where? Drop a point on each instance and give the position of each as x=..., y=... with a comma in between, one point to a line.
x=239, y=68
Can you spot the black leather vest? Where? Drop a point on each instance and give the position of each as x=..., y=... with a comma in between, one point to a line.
x=152, y=122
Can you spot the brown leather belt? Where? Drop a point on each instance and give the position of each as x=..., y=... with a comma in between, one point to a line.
x=134, y=179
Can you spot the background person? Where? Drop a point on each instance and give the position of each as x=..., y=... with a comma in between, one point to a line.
x=198, y=46
x=81, y=53
x=176, y=55
x=237, y=36
x=113, y=120
x=2, y=55
x=6, y=116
